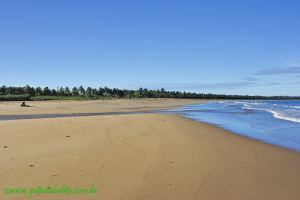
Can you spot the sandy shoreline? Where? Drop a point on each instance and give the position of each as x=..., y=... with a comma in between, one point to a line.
x=92, y=106
x=144, y=156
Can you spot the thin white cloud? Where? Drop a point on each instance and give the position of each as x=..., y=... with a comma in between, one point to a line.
x=251, y=79
x=277, y=71
x=221, y=85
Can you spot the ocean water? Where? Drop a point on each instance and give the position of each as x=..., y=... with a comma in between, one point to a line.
x=272, y=121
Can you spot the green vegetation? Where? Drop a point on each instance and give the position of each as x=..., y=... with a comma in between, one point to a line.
x=30, y=93
x=15, y=97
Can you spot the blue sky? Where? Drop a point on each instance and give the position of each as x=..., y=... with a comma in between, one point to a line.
x=232, y=47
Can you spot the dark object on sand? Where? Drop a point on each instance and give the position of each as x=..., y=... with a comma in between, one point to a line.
x=23, y=104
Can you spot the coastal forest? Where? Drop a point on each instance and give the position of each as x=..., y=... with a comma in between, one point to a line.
x=27, y=93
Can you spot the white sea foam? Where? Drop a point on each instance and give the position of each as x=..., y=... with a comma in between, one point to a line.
x=297, y=107
x=279, y=115
x=276, y=114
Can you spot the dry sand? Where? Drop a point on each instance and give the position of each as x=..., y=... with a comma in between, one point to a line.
x=92, y=106
x=144, y=156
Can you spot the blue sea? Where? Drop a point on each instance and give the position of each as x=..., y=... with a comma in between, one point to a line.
x=271, y=121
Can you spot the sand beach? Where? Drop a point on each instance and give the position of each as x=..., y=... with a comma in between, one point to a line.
x=139, y=156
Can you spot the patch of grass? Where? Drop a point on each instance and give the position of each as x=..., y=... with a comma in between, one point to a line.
x=15, y=97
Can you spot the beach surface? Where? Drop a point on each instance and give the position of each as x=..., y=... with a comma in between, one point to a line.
x=143, y=156
x=92, y=106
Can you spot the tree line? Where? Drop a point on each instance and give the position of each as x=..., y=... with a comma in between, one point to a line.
x=32, y=93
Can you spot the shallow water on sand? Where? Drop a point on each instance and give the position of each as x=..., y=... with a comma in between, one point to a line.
x=274, y=122
x=41, y=116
